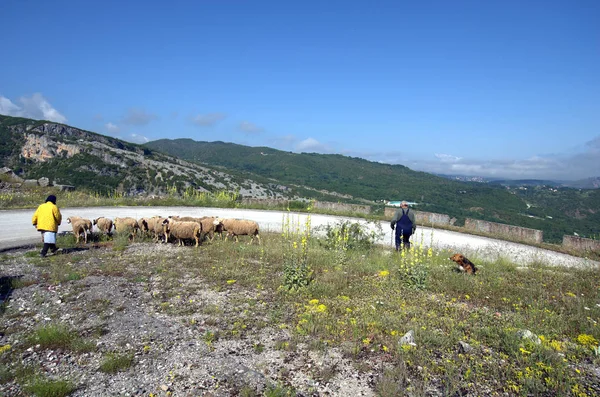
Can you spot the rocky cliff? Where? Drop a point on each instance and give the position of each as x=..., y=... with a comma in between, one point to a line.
x=71, y=156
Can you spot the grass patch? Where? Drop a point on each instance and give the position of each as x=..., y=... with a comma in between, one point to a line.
x=58, y=336
x=114, y=362
x=43, y=387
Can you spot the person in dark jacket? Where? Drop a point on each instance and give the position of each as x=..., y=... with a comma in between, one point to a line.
x=405, y=225
x=46, y=219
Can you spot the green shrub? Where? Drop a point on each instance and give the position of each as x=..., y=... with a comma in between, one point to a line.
x=53, y=336
x=348, y=235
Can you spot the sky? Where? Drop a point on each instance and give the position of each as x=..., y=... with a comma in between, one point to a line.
x=501, y=89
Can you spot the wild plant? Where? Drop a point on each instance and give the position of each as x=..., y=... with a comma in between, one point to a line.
x=297, y=272
x=413, y=264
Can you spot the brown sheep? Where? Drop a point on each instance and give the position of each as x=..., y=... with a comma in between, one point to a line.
x=104, y=225
x=127, y=225
x=81, y=222
x=182, y=230
x=238, y=227
x=88, y=223
x=206, y=221
x=79, y=227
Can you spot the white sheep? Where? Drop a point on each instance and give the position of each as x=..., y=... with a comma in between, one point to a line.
x=238, y=227
x=182, y=230
x=129, y=225
x=79, y=227
x=104, y=225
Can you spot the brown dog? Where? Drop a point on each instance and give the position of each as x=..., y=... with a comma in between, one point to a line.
x=464, y=265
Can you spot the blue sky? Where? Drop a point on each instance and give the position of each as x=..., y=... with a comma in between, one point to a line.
x=489, y=88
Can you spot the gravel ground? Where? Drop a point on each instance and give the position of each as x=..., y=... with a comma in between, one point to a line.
x=170, y=351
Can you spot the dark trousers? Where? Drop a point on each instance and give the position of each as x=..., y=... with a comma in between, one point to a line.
x=46, y=247
x=402, y=238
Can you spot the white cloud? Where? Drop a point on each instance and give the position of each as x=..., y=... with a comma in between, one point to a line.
x=137, y=116
x=311, y=145
x=555, y=167
x=8, y=108
x=250, y=128
x=137, y=138
x=33, y=107
x=112, y=128
x=208, y=119
x=447, y=158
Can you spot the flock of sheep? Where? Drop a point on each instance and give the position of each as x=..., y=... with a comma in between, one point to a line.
x=173, y=228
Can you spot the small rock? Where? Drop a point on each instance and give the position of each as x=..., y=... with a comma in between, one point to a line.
x=408, y=339
x=464, y=347
x=527, y=334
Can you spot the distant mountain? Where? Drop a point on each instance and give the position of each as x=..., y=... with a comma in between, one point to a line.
x=588, y=183
x=349, y=177
x=526, y=182
x=465, y=178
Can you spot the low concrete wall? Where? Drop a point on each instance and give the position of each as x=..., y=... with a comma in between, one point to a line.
x=580, y=243
x=520, y=233
x=422, y=217
x=266, y=202
x=342, y=207
x=336, y=207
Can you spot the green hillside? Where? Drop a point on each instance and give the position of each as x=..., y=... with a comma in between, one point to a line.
x=346, y=175
x=559, y=212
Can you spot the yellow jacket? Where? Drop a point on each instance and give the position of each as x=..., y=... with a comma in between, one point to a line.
x=47, y=217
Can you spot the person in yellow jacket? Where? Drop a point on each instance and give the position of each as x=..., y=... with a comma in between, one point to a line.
x=46, y=219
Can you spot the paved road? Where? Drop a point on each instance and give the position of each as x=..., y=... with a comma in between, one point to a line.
x=16, y=231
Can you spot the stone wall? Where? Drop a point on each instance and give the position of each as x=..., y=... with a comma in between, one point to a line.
x=580, y=243
x=342, y=207
x=515, y=232
x=423, y=218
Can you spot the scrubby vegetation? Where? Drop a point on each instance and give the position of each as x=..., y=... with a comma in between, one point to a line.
x=508, y=330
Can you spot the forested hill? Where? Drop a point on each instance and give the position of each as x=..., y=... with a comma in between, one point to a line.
x=357, y=177
x=346, y=175
x=555, y=211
